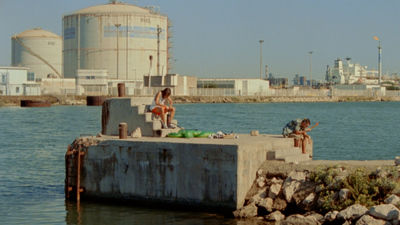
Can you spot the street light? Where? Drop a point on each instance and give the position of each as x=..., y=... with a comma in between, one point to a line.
x=117, y=26
x=311, y=69
x=261, y=41
x=379, y=58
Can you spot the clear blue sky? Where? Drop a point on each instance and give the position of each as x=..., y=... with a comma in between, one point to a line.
x=220, y=38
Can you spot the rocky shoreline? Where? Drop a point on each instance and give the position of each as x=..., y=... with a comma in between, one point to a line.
x=322, y=192
x=81, y=100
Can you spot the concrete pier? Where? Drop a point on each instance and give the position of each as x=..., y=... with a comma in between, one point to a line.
x=190, y=171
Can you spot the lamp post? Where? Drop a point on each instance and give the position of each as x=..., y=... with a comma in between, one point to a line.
x=311, y=68
x=261, y=41
x=379, y=59
x=117, y=26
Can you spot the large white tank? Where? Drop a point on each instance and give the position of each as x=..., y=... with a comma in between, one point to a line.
x=91, y=41
x=39, y=50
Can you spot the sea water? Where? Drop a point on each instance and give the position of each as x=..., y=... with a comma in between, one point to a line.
x=34, y=141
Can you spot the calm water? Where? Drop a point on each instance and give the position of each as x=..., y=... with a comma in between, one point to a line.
x=34, y=141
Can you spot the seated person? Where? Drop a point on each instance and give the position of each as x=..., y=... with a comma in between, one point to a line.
x=297, y=129
x=159, y=106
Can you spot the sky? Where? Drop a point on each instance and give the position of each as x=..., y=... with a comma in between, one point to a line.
x=220, y=38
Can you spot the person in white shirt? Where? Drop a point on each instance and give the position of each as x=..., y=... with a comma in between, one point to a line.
x=160, y=106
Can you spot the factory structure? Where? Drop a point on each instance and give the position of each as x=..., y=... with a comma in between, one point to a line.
x=101, y=46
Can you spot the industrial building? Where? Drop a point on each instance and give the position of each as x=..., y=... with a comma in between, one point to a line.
x=125, y=40
x=38, y=50
x=17, y=81
x=233, y=87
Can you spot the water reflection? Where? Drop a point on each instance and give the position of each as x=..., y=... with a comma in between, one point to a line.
x=111, y=213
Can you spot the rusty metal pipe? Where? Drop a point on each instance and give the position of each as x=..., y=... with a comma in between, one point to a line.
x=123, y=130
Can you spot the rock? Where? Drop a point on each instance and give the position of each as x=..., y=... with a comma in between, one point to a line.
x=320, y=218
x=301, y=220
x=310, y=198
x=279, y=203
x=275, y=216
x=266, y=203
x=395, y=222
x=137, y=133
x=99, y=135
x=247, y=211
x=344, y=193
x=352, y=212
x=274, y=181
x=331, y=216
x=254, y=133
x=385, y=212
x=261, y=182
x=369, y=220
x=259, y=172
x=397, y=160
x=274, y=190
x=393, y=199
x=304, y=191
x=259, y=196
x=291, y=184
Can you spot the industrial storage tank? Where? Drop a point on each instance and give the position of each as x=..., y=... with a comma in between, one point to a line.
x=39, y=50
x=126, y=40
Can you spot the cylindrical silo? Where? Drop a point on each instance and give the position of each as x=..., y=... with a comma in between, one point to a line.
x=117, y=37
x=39, y=50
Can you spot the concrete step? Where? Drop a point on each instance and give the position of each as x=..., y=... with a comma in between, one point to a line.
x=297, y=158
x=143, y=109
x=156, y=124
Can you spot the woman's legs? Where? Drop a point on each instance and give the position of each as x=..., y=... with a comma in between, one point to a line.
x=160, y=111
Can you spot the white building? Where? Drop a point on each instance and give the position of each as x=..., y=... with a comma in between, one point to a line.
x=17, y=81
x=240, y=87
x=350, y=73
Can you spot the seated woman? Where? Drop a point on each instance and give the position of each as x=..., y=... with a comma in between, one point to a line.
x=159, y=106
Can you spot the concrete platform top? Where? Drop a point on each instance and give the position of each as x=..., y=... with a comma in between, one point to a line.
x=270, y=142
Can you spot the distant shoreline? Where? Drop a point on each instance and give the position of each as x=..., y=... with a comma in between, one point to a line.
x=81, y=100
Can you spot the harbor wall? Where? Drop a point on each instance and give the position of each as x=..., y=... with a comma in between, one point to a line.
x=180, y=171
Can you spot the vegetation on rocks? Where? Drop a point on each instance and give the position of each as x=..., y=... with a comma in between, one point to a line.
x=364, y=188
x=331, y=194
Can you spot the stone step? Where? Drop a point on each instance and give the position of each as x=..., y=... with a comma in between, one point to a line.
x=143, y=109
x=297, y=158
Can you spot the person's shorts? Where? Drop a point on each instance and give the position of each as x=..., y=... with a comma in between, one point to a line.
x=296, y=136
x=158, y=113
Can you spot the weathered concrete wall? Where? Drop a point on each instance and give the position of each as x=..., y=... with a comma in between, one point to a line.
x=194, y=171
x=125, y=110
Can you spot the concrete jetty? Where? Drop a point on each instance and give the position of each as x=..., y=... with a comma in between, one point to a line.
x=190, y=171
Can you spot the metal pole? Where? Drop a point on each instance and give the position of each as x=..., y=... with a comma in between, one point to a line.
x=117, y=25
x=379, y=61
x=261, y=41
x=311, y=69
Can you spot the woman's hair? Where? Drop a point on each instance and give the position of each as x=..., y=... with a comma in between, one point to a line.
x=166, y=92
x=306, y=120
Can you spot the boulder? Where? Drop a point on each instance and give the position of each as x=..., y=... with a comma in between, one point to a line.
x=352, y=212
x=331, y=216
x=298, y=219
x=266, y=203
x=279, y=203
x=275, y=216
x=393, y=199
x=304, y=195
x=344, y=193
x=259, y=196
x=247, y=211
x=369, y=220
x=274, y=190
x=385, y=212
x=291, y=184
